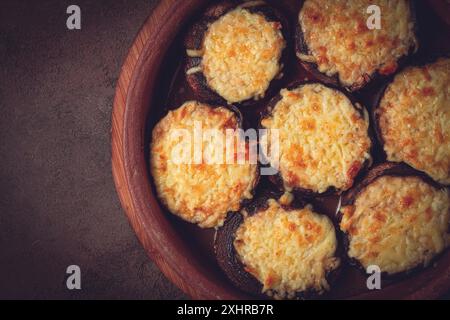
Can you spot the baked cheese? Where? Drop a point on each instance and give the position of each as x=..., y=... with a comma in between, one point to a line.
x=288, y=251
x=414, y=119
x=200, y=192
x=397, y=223
x=241, y=54
x=340, y=42
x=324, y=140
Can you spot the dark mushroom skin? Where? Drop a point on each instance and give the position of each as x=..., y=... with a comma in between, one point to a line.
x=277, y=179
x=349, y=198
x=228, y=260
x=234, y=269
x=301, y=47
x=194, y=41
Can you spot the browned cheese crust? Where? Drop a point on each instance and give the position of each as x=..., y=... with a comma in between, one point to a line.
x=333, y=37
x=201, y=193
x=413, y=119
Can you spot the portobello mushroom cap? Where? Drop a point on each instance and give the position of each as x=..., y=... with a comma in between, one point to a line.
x=338, y=42
x=412, y=119
x=279, y=249
x=324, y=139
x=235, y=53
x=203, y=189
x=397, y=218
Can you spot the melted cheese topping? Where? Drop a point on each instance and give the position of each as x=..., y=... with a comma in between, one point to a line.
x=241, y=55
x=288, y=251
x=324, y=139
x=397, y=224
x=200, y=193
x=414, y=119
x=340, y=42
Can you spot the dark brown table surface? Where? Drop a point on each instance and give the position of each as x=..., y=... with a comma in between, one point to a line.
x=58, y=205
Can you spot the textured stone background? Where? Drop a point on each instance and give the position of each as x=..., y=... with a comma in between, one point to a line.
x=58, y=205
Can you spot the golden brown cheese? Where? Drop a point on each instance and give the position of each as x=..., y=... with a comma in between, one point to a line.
x=414, y=119
x=340, y=42
x=288, y=251
x=323, y=139
x=199, y=193
x=241, y=55
x=397, y=223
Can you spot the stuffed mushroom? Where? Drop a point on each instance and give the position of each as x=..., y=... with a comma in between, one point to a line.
x=413, y=119
x=396, y=219
x=198, y=188
x=324, y=141
x=335, y=41
x=279, y=251
x=235, y=53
